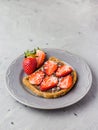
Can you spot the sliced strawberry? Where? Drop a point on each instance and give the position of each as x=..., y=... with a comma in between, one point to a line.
x=66, y=82
x=29, y=65
x=37, y=77
x=63, y=70
x=50, y=67
x=40, y=57
x=48, y=82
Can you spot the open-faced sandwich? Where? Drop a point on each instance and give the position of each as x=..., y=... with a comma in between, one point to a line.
x=49, y=78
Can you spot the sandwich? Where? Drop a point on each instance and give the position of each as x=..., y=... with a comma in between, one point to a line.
x=53, y=78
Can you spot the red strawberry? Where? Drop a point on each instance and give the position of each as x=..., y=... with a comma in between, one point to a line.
x=39, y=54
x=40, y=57
x=66, y=82
x=63, y=70
x=48, y=82
x=29, y=65
x=50, y=67
x=37, y=77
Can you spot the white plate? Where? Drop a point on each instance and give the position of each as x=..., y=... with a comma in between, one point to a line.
x=15, y=74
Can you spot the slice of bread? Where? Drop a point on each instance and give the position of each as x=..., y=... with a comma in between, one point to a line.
x=49, y=94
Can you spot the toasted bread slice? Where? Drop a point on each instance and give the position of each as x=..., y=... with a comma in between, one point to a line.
x=50, y=94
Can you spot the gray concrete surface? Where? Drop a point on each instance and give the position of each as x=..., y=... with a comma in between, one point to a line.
x=66, y=24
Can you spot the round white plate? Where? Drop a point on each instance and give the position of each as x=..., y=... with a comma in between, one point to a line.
x=15, y=74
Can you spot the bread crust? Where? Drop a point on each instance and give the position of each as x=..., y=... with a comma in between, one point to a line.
x=47, y=94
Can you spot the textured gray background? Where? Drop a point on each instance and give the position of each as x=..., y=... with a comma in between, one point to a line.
x=66, y=24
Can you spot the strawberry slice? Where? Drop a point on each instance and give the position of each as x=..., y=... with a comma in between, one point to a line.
x=66, y=82
x=63, y=70
x=37, y=77
x=48, y=83
x=40, y=57
x=50, y=67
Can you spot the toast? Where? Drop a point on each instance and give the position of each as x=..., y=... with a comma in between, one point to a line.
x=50, y=93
